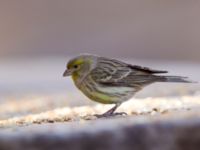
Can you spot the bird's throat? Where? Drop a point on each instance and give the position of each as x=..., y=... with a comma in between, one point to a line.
x=77, y=78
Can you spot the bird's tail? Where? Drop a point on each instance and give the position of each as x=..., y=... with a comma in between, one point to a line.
x=174, y=79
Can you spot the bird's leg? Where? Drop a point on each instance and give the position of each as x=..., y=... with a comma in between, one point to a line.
x=111, y=111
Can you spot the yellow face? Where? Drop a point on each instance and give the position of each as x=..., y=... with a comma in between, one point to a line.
x=73, y=66
x=79, y=67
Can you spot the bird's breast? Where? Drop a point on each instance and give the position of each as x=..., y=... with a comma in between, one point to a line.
x=105, y=94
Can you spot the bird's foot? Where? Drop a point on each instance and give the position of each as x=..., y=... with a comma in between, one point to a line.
x=106, y=115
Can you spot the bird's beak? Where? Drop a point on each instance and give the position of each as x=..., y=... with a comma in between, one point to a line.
x=68, y=72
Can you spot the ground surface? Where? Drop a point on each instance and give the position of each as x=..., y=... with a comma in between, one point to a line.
x=134, y=107
x=151, y=123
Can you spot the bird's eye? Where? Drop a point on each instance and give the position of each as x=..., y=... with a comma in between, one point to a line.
x=75, y=66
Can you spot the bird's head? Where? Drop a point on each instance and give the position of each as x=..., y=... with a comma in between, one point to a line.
x=79, y=66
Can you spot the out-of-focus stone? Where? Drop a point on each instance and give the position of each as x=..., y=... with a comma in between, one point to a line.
x=175, y=131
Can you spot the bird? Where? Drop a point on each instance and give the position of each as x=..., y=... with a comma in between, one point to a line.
x=111, y=81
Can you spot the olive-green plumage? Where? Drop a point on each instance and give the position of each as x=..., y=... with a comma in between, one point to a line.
x=110, y=81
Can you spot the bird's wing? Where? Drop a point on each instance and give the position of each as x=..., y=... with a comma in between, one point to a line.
x=116, y=73
x=121, y=77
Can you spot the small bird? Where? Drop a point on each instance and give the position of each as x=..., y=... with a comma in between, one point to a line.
x=110, y=81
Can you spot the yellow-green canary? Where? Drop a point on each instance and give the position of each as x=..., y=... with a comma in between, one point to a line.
x=110, y=81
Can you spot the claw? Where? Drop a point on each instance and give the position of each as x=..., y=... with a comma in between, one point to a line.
x=121, y=114
x=106, y=115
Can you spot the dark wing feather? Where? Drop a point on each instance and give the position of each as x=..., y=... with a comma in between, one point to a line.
x=146, y=69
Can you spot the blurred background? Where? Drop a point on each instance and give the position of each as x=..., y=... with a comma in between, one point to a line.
x=37, y=38
x=129, y=28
